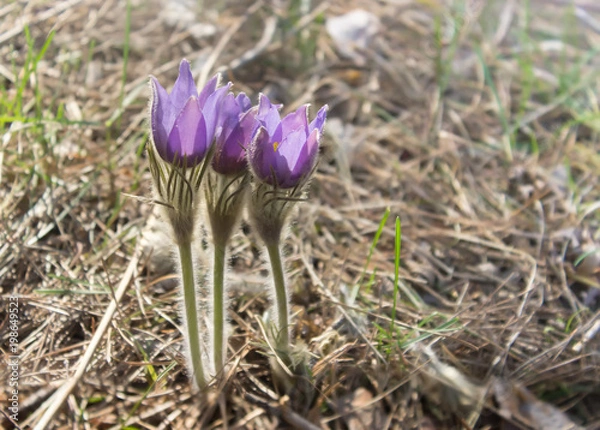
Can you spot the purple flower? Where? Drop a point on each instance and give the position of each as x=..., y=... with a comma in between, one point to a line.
x=284, y=151
x=236, y=123
x=183, y=123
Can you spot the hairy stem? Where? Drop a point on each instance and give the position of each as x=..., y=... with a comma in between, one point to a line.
x=191, y=312
x=280, y=295
x=219, y=305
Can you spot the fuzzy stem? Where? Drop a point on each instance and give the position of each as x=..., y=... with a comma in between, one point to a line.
x=280, y=295
x=219, y=304
x=191, y=312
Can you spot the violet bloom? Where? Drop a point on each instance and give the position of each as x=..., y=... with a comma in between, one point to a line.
x=284, y=151
x=183, y=123
x=236, y=123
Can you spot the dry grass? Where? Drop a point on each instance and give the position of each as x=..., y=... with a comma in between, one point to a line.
x=476, y=124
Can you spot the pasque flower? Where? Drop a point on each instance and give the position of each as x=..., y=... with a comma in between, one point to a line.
x=183, y=123
x=236, y=124
x=281, y=156
x=225, y=191
x=183, y=126
x=284, y=151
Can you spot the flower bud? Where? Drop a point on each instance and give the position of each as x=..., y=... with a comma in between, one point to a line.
x=236, y=124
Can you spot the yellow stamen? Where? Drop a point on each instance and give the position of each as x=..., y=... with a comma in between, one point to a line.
x=275, y=146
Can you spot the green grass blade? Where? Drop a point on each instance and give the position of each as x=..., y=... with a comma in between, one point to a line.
x=397, y=249
x=378, y=233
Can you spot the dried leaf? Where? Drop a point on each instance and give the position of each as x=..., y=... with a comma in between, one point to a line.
x=359, y=410
x=516, y=402
x=352, y=33
x=449, y=388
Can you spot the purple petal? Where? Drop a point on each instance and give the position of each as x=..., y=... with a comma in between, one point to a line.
x=261, y=156
x=312, y=144
x=201, y=144
x=319, y=120
x=300, y=155
x=277, y=134
x=310, y=151
x=184, y=87
x=296, y=120
x=210, y=110
x=243, y=101
x=227, y=116
x=188, y=137
x=230, y=154
x=247, y=123
x=268, y=113
x=160, y=112
x=208, y=89
x=290, y=150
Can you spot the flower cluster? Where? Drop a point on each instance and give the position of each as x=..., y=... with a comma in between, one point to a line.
x=185, y=124
x=242, y=156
